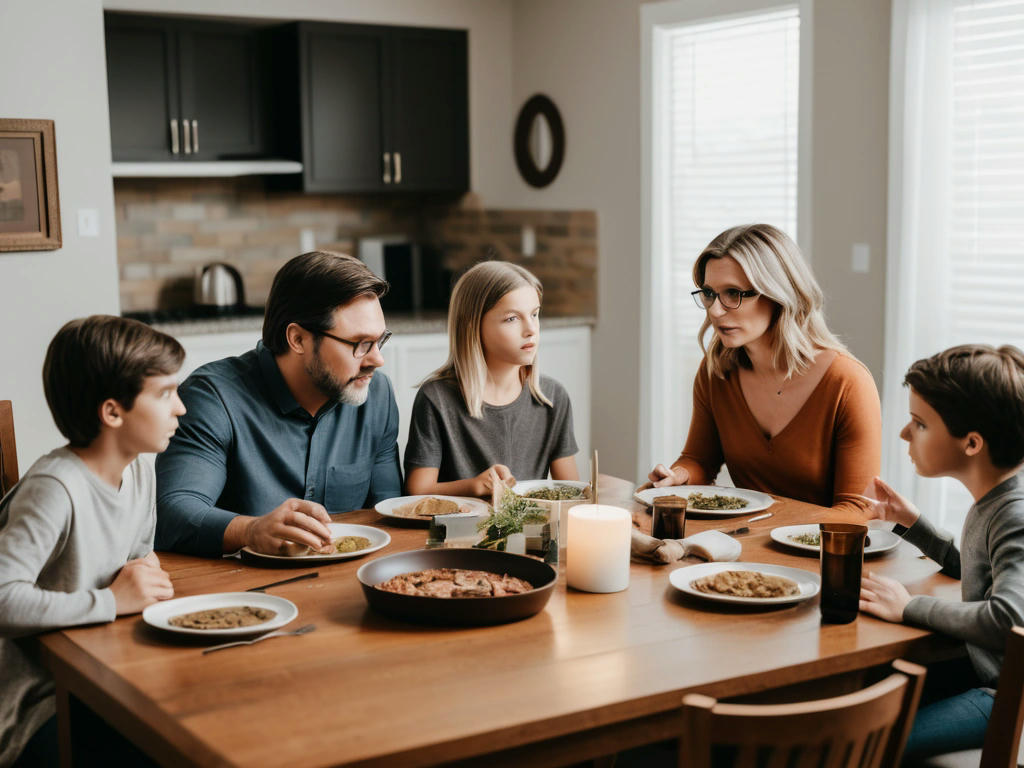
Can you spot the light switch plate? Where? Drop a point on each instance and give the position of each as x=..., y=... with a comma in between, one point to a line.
x=860, y=258
x=529, y=241
x=88, y=222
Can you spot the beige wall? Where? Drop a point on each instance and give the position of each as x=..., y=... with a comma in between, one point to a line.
x=52, y=67
x=585, y=54
x=850, y=167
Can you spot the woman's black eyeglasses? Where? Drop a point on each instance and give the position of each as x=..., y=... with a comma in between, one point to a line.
x=730, y=298
x=359, y=348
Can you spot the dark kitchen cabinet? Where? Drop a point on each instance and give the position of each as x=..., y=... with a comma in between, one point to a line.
x=185, y=90
x=377, y=109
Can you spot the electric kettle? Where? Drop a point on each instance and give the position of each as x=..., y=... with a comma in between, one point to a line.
x=218, y=285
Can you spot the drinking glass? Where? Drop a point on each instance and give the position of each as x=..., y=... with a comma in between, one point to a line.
x=842, y=559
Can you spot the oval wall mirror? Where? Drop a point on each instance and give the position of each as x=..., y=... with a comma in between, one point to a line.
x=539, y=141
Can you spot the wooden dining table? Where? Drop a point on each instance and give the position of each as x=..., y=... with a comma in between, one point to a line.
x=588, y=675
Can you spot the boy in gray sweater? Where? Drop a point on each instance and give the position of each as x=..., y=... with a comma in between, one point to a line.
x=966, y=422
x=76, y=533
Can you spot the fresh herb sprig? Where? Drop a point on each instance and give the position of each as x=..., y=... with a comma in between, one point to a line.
x=513, y=512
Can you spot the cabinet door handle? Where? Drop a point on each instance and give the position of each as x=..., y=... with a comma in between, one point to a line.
x=387, y=167
x=195, y=136
x=398, y=167
x=188, y=140
x=174, y=136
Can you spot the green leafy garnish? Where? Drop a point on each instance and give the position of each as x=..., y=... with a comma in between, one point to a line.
x=512, y=514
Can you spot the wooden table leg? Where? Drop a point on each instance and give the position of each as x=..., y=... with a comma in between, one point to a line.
x=64, y=726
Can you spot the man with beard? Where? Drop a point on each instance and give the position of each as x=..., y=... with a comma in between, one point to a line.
x=299, y=425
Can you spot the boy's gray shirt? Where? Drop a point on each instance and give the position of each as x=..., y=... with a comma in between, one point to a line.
x=64, y=535
x=990, y=566
x=525, y=435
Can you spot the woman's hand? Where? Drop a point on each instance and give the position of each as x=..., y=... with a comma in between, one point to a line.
x=662, y=476
x=883, y=597
x=483, y=485
x=887, y=504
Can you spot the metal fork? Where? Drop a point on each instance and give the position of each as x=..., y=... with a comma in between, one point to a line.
x=277, y=633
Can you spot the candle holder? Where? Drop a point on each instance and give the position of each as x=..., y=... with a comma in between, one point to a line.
x=597, y=548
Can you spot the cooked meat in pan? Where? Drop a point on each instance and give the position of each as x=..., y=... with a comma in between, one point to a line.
x=455, y=582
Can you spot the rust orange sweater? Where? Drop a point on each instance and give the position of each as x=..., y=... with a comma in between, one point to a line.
x=830, y=450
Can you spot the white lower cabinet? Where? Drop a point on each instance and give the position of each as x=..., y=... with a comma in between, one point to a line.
x=409, y=357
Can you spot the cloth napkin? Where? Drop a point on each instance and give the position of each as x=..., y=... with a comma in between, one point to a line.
x=709, y=545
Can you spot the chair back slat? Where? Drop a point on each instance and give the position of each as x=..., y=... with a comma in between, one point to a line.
x=865, y=729
x=8, y=448
x=1002, y=736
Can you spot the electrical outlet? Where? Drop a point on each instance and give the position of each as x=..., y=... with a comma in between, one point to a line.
x=529, y=241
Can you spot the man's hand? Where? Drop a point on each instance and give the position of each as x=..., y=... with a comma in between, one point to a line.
x=884, y=597
x=662, y=476
x=289, y=529
x=483, y=485
x=140, y=583
x=887, y=504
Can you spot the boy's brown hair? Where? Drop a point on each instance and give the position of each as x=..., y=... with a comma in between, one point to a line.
x=309, y=288
x=976, y=387
x=96, y=358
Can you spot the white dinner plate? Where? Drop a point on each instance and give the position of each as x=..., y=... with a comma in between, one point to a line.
x=378, y=540
x=159, y=614
x=808, y=581
x=756, y=501
x=881, y=539
x=466, y=504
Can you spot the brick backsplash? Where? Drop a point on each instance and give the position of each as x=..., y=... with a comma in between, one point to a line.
x=168, y=227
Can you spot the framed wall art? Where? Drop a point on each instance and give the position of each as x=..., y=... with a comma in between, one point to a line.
x=29, y=203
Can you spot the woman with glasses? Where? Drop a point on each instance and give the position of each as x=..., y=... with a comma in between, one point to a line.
x=778, y=399
x=488, y=408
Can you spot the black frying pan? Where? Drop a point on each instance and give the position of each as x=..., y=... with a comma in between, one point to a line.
x=462, y=611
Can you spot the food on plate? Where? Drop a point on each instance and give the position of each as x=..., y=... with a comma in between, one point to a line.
x=346, y=544
x=810, y=539
x=223, y=618
x=455, y=582
x=556, y=493
x=426, y=508
x=715, y=501
x=746, y=584
x=814, y=539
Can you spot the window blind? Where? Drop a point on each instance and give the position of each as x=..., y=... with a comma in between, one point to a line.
x=986, y=219
x=730, y=105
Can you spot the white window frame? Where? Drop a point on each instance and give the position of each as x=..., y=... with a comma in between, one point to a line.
x=656, y=19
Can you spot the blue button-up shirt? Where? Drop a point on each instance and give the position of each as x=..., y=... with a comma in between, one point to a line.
x=245, y=445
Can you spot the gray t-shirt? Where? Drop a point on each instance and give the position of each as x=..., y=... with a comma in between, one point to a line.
x=64, y=535
x=990, y=566
x=525, y=435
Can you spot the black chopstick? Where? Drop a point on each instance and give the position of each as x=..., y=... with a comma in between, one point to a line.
x=312, y=575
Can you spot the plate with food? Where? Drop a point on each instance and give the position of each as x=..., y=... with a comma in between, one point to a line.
x=711, y=500
x=808, y=538
x=457, y=586
x=224, y=614
x=421, y=509
x=553, y=490
x=746, y=583
x=348, y=540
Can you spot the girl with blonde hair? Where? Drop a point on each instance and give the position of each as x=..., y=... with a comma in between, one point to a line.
x=488, y=407
x=778, y=398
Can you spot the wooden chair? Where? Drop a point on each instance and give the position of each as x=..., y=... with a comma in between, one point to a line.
x=867, y=729
x=1002, y=738
x=8, y=452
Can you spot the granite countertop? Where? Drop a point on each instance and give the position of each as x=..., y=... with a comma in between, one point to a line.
x=398, y=322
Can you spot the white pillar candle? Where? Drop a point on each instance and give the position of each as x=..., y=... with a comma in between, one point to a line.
x=597, y=548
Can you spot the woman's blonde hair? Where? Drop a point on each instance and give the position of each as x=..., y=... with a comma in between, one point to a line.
x=474, y=295
x=776, y=270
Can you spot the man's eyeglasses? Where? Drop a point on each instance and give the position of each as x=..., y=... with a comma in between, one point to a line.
x=730, y=298
x=359, y=348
